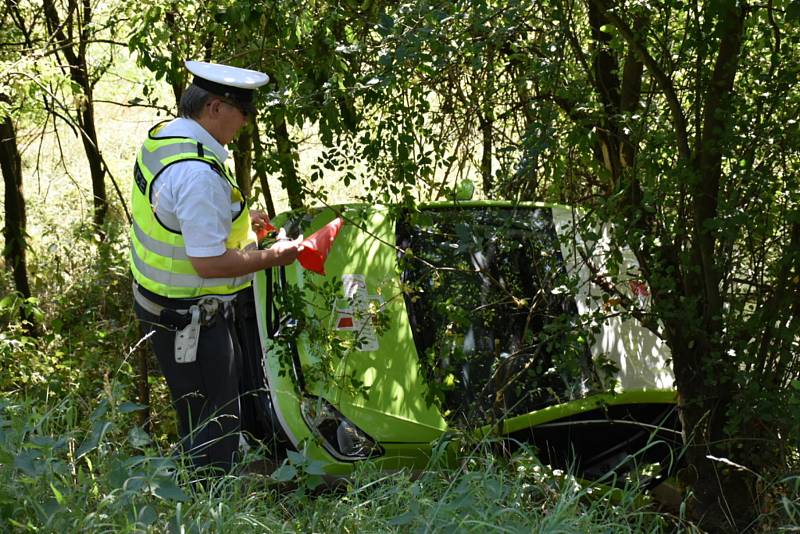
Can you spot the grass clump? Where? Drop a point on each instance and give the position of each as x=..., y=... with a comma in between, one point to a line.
x=58, y=474
x=519, y=495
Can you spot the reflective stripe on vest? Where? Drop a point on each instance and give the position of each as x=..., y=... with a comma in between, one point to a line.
x=158, y=256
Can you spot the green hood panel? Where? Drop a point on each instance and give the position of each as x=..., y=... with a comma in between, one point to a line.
x=371, y=323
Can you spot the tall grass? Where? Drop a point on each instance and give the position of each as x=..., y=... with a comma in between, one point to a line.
x=62, y=474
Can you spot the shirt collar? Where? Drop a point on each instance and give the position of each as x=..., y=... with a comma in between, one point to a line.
x=191, y=128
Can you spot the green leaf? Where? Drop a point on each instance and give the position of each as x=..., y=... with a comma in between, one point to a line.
x=295, y=457
x=464, y=233
x=99, y=428
x=166, y=488
x=58, y=495
x=28, y=463
x=314, y=482
x=134, y=484
x=46, y=442
x=100, y=411
x=118, y=474
x=609, y=29
x=128, y=407
x=494, y=489
x=7, y=301
x=406, y=517
x=386, y=24
x=48, y=509
x=464, y=502
x=316, y=468
x=284, y=473
x=793, y=12
x=146, y=516
x=422, y=219
x=138, y=438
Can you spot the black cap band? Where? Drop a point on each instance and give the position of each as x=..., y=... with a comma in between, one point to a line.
x=243, y=97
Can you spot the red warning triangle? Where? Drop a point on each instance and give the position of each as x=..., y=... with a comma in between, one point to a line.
x=317, y=246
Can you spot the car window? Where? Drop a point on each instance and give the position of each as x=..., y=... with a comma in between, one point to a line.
x=494, y=327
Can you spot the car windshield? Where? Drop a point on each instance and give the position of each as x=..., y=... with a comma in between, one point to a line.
x=494, y=327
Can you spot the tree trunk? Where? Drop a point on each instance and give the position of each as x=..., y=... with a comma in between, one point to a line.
x=176, y=77
x=260, y=168
x=605, y=66
x=15, y=218
x=286, y=158
x=96, y=165
x=75, y=54
x=725, y=497
x=486, y=121
x=243, y=158
x=525, y=183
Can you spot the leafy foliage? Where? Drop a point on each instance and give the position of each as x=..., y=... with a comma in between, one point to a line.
x=50, y=482
x=675, y=121
x=496, y=335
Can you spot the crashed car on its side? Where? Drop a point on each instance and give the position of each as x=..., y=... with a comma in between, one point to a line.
x=482, y=318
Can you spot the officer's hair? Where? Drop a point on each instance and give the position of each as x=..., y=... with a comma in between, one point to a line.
x=193, y=100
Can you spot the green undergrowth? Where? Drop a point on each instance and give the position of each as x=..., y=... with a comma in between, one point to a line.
x=105, y=475
x=80, y=452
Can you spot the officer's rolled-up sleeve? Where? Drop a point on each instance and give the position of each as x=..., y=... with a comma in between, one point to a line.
x=203, y=210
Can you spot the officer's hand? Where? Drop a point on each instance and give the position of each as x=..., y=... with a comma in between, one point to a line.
x=259, y=221
x=286, y=250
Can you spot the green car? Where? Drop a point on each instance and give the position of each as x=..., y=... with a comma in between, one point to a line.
x=458, y=320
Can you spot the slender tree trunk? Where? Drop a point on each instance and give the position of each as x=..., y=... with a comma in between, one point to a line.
x=243, y=158
x=95, y=159
x=605, y=66
x=525, y=184
x=78, y=21
x=176, y=83
x=619, y=92
x=286, y=158
x=725, y=498
x=487, y=123
x=287, y=153
x=486, y=120
x=15, y=217
x=260, y=168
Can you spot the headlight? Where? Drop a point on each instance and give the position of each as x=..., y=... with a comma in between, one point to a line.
x=339, y=436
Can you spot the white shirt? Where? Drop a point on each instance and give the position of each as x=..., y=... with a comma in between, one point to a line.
x=191, y=197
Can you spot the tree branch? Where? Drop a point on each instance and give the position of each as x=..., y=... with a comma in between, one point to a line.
x=663, y=81
x=72, y=123
x=709, y=160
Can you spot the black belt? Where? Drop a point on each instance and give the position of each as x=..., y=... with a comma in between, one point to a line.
x=177, y=313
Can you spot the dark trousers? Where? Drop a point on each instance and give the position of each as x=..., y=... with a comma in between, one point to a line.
x=207, y=393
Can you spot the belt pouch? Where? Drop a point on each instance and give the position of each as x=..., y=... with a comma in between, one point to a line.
x=173, y=319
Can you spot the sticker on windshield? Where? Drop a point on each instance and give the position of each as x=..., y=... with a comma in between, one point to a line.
x=353, y=313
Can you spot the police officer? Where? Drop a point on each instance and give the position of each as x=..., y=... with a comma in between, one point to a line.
x=192, y=255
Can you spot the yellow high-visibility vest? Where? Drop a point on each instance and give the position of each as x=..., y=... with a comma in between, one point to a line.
x=158, y=254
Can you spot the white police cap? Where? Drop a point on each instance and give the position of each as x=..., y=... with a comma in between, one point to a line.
x=230, y=82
